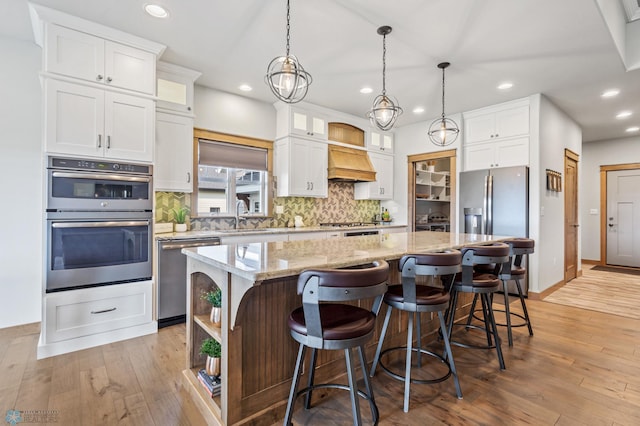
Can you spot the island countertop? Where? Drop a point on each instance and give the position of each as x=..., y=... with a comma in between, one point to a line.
x=269, y=260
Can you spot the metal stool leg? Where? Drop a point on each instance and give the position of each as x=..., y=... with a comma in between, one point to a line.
x=494, y=328
x=376, y=358
x=473, y=309
x=312, y=375
x=294, y=386
x=353, y=388
x=524, y=307
x=407, y=373
x=449, y=356
x=507, y=312
x=419, y=340
x=367, y=384
x=486, y=301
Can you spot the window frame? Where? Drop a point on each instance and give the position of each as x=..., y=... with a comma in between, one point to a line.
x=237, y=140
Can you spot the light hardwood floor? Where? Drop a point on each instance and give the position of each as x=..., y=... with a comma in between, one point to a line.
x=581, y=367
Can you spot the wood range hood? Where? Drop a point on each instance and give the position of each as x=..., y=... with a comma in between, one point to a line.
x=350, y=164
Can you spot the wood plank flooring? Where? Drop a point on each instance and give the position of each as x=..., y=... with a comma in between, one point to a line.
x=582, y=367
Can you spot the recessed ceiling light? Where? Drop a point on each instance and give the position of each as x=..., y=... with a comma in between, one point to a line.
x=366, y=90
x=156, y=10
x=610, y=93
x=623, y=114
x=418, y=110
x=245, y=88
x=506, y=85
x=633, y=129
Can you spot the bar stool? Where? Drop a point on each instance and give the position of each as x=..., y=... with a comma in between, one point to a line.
x=512, y=271
x=336, y=326
x=413, y=298
x=483, y=284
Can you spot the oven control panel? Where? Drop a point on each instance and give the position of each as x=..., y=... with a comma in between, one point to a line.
x=97, y=165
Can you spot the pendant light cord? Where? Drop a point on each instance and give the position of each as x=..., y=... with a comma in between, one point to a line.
x=384, y=64
x=443, y=93
x=288, y=28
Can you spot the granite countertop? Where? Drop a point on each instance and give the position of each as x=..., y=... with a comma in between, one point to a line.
x=263, y=231
x=262, y=261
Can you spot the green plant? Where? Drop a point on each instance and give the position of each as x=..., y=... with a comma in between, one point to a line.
x=211, y=347
x=180, y=215
x=214, y=297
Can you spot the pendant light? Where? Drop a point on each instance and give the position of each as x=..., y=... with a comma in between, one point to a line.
x=385, y=111
x=443, y=131
x=286, y=77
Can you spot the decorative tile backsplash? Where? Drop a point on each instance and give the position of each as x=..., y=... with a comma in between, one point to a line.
x=339, y=206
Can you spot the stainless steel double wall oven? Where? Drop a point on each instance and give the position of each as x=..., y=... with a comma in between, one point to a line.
x=98, y=223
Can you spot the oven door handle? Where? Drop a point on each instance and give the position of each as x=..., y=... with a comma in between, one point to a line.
x=100, y=176
x=99, y=224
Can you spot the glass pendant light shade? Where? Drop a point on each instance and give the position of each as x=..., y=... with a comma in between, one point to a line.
x=385, y=111
x=443, y=131
x=286, y=77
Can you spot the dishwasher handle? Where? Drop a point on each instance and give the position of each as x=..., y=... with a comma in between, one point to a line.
x=177, y=245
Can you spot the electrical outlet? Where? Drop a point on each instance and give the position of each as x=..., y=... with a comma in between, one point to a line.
x=279, y=209
x=593, y=211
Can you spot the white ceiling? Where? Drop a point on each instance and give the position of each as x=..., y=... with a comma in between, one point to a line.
x=561, y=48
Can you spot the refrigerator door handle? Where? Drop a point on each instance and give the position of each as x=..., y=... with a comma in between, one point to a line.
x=489, y=230
x=485, y=205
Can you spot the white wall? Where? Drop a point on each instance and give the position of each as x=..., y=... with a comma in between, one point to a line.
x=412, y=140
x=21, y=183
x=557, y=131
x=594, y=155
x=232, y=114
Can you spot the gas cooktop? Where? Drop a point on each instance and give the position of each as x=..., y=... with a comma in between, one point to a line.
x=346, y=224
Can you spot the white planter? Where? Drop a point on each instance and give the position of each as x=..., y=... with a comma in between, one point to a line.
x=181, y=227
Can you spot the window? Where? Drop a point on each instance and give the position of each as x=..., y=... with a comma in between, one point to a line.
x=232, y=177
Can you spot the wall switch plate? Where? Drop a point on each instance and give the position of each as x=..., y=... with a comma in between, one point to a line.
x=279, y=209
x=593, y=211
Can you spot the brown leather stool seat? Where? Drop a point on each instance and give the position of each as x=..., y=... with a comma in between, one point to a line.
x=482, y=284
x=323, y=323
x=415, y=298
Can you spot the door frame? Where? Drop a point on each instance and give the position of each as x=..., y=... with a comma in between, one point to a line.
x=603, y=203
x=574, y=157
x=411, y=167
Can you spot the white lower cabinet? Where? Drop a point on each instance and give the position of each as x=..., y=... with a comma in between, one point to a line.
x=78, y=319
x=85, y=121
x=174, y=153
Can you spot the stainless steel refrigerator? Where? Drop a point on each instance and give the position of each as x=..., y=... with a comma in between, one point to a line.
x=496, y=202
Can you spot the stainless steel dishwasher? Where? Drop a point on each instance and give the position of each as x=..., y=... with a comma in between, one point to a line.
x=172, y=277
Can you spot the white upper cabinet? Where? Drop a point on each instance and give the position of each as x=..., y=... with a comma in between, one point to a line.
x=382, y=187
x=293, y=121
x=173, y=166
x=86, y=121
x=83, y=56
x=380, y=141
x=499, y=153
x=504, y=121
x=175, y=87
x=301, y=168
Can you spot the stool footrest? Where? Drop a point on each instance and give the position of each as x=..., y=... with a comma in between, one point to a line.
x=513, y=314
x=420, y=381
x=363, y=395
x=470, y=345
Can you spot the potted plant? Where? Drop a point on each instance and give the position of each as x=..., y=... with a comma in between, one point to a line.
x=180, y=216
x=214, y=297
x=213, y=350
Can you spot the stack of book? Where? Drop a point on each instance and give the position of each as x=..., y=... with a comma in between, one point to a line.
x=210, y=383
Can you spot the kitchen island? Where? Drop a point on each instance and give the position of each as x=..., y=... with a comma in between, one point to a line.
x=258, y=283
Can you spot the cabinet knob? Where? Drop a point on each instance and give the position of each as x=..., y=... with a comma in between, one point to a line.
x=109, y=79
x=497, y=135
x=490, y=136
x=108, y=142
x=99, y=77
x=189, y=108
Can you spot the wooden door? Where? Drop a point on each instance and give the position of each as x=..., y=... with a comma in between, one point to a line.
x=623, y=221
x=570, y=215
